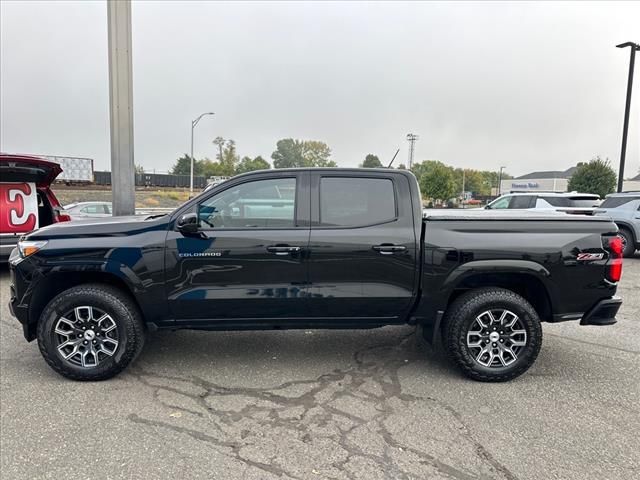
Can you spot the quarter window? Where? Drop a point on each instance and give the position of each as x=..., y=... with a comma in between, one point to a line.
x=93, y=209
x=354, y=202
x=258, y=204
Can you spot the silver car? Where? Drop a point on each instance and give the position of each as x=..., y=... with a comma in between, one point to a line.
x=82, y=210
x=624, y=209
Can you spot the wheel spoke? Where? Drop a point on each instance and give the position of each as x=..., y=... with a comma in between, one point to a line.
x=518, y=338
x=105, y=346
x=485, y=350
x=84, y=313
x=85, y=355
x=480, y=322
x=474, y=339
x=512, y=356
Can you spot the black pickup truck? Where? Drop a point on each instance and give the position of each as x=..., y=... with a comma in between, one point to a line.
x=314, y=248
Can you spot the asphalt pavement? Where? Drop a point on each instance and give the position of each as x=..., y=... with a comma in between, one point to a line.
x=370, y=404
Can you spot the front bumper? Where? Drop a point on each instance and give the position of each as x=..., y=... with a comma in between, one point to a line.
x=18, y=306
x=602, y=313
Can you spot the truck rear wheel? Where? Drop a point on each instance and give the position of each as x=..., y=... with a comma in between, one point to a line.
x=90, y=332
x=492, y=334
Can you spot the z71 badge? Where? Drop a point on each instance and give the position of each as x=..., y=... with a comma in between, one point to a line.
x=588, y=257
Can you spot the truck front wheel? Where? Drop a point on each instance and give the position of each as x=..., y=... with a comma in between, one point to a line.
x=492, y=334
x=90, y=332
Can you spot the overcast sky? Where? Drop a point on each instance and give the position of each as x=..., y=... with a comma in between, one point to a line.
x=531, y=86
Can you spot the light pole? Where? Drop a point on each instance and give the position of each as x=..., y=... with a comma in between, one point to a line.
x=625, y=129
x=500, y=181
x=193, y=125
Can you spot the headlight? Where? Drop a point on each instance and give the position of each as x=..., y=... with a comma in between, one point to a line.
x=27, y=248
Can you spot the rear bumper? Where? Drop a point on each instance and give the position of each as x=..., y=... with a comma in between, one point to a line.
x=602, y=313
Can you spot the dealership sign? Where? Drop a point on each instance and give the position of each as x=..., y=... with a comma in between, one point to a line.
x=525, y=185
x=19, y=212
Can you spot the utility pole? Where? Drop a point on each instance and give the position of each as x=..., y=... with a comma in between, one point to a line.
x=121, y=107
x=193, y=125
x=411, y=137
x=500, y=181
x=463, y=179
x=625, y=128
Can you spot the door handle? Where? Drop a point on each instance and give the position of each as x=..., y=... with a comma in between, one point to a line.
x=282, y=249
x=389, y=249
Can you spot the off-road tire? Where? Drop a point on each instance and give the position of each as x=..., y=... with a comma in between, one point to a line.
x=109, y=299
x=462, y=313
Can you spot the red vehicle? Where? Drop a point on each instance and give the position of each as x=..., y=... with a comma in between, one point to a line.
x=26, y=200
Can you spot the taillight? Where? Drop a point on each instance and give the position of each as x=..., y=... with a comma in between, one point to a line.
x=60, y=215
x=614, y=266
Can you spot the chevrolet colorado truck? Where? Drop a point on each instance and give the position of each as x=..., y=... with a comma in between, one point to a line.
x=314, y=248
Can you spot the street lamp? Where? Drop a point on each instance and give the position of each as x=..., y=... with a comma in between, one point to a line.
x=625, y=129
x=500, y=181
x=193, y=125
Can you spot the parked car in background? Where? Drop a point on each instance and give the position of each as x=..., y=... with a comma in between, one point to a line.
x=26, y=199
x=88, y=210
x=575, y=203
x=214, y=182
x=624, y=209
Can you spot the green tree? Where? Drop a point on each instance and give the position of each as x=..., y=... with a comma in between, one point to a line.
x=219, y=142
x=597, y=177
x=183, y=166
x=473, y=181
x=230, y=158
x=371, y=161
x=247, y=164
x=437, y=180
x=317, y=154
x=292, y=153
x=288, y=154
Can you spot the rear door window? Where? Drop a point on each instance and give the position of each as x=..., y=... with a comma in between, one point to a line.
x=521, y=201
x=356, y=202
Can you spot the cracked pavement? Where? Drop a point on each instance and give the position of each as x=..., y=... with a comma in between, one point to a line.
x=324, y=404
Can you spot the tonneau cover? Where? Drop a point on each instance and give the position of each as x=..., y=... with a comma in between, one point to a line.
x=507, y=215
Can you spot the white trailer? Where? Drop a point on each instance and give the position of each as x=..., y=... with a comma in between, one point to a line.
x=74, y=169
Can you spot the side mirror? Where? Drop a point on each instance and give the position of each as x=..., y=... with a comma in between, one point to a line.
x=188, y=224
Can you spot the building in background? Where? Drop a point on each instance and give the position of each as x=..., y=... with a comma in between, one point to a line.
x=546, y=181
x=632, y=184
x=553, y=181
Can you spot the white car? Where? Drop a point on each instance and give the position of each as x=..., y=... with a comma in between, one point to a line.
x=576, y=203
x=81, y=210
